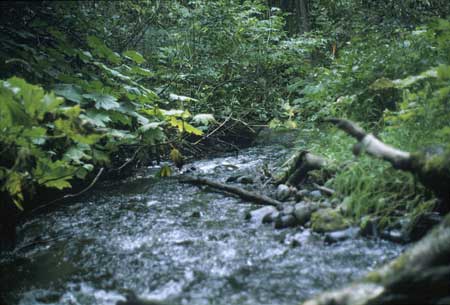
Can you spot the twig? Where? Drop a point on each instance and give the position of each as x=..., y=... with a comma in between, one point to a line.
x=245, y=124
x=71, y=195
x=215, y=130
x=129, y=160
x=324, y=189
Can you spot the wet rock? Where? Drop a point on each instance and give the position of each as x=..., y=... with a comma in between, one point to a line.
x=233, y=178
x=299, y=239
x=334, y=202
x=315, y=194
x=283, y=192
x=337, y=236
x=328, y=220
x=285, y=221
x=196, y=214
x=245, y=180
x=133, y=300
x=257, y=216
x=300, y=195
x=269, y=218
x=395, y=235
x=303, y=212
x=288, y=210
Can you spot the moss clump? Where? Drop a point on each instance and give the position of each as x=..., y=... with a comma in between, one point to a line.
x=328, y=220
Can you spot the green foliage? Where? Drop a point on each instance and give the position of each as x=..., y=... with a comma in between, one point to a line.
x=94, y=102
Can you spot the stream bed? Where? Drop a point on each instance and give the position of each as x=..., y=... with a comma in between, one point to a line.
x=174, y=243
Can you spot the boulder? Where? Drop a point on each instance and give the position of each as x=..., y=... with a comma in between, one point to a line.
x=257, y=216
x=328, y=220
x=303, y=212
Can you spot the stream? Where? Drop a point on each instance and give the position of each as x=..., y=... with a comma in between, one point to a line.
x=174, y=243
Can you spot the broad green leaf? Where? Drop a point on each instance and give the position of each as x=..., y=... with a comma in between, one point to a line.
x=70, y=92
x=184, y=126
x=148, y=126
x=76, y=154
x=100, y=49
x=96, y=118
x=134, y=56
x=103, y=101
x=142, y=71
x=30, y=96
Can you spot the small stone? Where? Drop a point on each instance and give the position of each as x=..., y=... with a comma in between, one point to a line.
x=342, y=235
x=288, y=209
x=258, y=216
x=394, y=235
x=269, y=218
x=315, y=194
x=233, y=178
x=285, y=221
x=299, y=238
x=303, y=211
x=196, y=214
x=301, y=194
x=283, y=192
x=245, y=180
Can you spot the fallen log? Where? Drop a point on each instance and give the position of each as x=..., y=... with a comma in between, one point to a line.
x=240, y=192
x=296, y=169
x=433, y=170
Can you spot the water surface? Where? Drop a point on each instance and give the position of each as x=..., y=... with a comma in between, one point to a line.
x=175, y=243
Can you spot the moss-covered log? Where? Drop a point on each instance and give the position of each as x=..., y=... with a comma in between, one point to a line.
x=433, y=170
x=419, y=276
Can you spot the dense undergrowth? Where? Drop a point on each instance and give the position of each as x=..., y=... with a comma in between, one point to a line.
x=89, y=84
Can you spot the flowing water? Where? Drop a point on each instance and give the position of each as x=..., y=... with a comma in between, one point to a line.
x=176, y=244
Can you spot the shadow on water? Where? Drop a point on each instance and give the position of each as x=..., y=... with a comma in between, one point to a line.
x=175, y=243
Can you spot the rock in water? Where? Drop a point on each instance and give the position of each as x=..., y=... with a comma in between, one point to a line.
x=271, y=217
x=285, y=221
x=342, y=235
x=245, y=180
x=259, y=215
